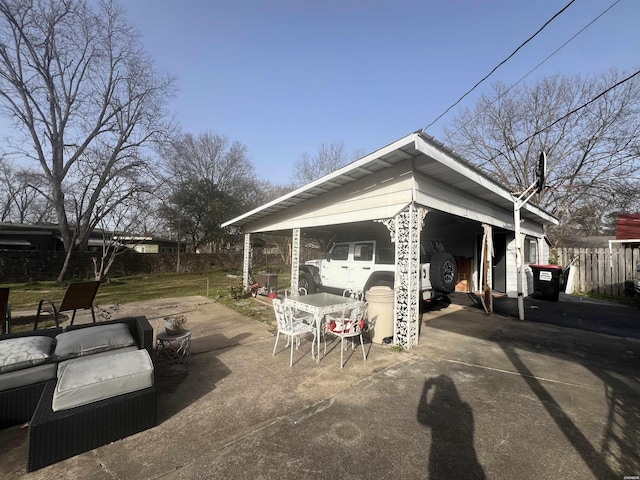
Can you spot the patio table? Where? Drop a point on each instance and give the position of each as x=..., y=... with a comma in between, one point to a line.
x=319, y=305
x=172, y=353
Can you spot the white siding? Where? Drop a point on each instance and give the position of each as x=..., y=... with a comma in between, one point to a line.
x=447, y=199
x=545, y=251
x=512, y=285
x=377, y=196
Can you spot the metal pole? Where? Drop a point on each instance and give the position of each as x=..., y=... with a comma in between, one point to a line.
x=518, y=203
x=519, y=265
x=178, y=262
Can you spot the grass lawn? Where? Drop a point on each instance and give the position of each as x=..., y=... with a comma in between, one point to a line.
x=216, y=284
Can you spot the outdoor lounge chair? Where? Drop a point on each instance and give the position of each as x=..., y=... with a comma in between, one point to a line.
x=79, y=296
x=5, y=310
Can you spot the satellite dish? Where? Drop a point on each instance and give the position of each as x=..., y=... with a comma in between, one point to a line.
x=541, y=172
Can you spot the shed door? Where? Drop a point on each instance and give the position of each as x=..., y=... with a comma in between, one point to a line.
x=500, y=262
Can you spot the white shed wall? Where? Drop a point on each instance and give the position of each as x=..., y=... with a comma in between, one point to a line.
x=374, y=197
x=512, y=279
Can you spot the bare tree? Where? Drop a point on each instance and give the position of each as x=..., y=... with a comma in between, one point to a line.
x=117, y=225
x=268, y=192
x=23, y=198
x=87, y=103
x=210, y=179
x=215, y=158
x=6, y=195
x=329, y=158
x=591, y=152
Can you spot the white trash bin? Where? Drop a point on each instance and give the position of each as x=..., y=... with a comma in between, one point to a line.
x=380, y=313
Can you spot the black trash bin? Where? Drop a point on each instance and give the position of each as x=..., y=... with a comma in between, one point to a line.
x=546, y=281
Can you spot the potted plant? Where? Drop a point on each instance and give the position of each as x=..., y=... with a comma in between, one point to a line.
x=173, y=324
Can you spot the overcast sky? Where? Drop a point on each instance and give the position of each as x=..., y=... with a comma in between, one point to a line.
x=282, y=77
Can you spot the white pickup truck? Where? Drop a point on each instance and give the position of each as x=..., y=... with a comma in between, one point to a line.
x=365, y=263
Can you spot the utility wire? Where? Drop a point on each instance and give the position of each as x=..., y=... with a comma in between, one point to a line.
x=501, y=63
x=448, y=137
x=577, y=109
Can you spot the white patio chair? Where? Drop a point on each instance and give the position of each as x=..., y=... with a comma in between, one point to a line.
x=301, y=291
x=291, y=327
x=349, y=326
x=354, y=293
x=298, y=315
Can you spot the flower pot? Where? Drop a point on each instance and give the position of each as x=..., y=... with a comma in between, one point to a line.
x=170, y=328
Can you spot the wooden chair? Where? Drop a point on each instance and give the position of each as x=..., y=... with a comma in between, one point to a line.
x=5, y=310
x=78, y=296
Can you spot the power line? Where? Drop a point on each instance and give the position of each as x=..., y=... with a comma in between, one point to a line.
x=501, y=63
x=448, y=137
x=575, y=110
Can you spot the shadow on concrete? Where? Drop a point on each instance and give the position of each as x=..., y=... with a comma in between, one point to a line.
x=352, y=352
x=595, y=460
x=218, y=341
x=178, y=392
x=622, y=433
x=570, y=311
x=613, y=360
x=452, y=454
x=304, y=349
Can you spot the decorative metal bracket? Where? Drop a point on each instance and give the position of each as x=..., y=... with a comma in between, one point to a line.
x=295, y=259
x=405, y=230
x=248, y=257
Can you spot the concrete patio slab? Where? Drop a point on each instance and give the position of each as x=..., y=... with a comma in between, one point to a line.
x=481, y=397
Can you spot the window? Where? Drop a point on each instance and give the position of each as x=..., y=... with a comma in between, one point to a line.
x=139, y=248
x=363, y=252
x=387, y=255
x=530, y=250
x=340, y=251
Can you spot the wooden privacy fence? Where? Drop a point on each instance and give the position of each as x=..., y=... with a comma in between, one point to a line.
x=600, y=270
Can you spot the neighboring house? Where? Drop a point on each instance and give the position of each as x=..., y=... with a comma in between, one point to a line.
x=627, y=231
x=151, y=244
x=601, y=241
x=47, y=238
x=16, y=236
x=412, y=187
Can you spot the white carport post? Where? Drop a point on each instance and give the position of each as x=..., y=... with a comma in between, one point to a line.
x=246, y=267
x=295, y=259
x=405, y=231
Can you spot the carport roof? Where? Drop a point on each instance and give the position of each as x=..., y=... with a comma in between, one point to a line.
x=428, y=157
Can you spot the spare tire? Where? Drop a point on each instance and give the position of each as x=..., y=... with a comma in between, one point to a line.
x=443, y=272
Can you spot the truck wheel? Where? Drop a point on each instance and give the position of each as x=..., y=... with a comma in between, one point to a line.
x=306, y=281
x=443, y=272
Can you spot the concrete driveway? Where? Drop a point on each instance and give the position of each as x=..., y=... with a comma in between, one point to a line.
x=573, y=311
x=481, y=397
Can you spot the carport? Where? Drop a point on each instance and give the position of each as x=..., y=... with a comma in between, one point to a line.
x=411, y=184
